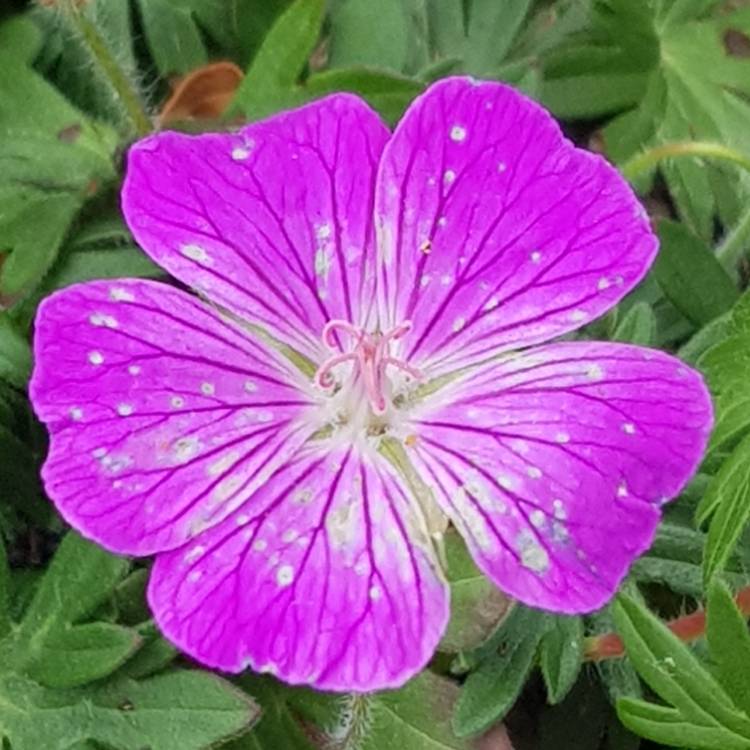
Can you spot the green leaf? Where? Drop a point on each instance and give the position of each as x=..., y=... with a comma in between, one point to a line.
x=183, y=710
x=728, y=496
x=154, y=655
x=691, y=93
x=129, y=598
x=491, y=690
x=367, y=33
x=690, y=275
x=416, y=716
x=28, y=103
x=676, y=676
x=388, y=93
x=638, y=326
x=76, y=656
x=477, y=605
x=176, y=710
x=741, y=314
x=280, y=61
x=492, y=28
x=674, y=560
x=172, y=36
x=560, y=656
x=34, y=237
x=84, y=49
x=725, y=363
x=676, y=12
x=666, y=726
x=20, y=38
x=550, y=27
x=111, y=263
x=731, y=425
x=20, y=489
x=15, y=354
x=604, y=68
x=80, y=577
x=5, y=585
x=237, y=26
x=445, y=23
x=704, y=339
x=590, y=95
x=279, y=725
x=688, y=179
x=52, y=158
x=39, y=164
x=577, y=723
x=729, y=644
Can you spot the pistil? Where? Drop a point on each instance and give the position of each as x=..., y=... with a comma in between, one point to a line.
x=371, y=357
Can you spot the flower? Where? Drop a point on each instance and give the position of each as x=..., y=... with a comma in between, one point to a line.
x=355, y=373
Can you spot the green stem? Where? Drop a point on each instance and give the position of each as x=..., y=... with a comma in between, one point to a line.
x=138, y=119
x=649, y=159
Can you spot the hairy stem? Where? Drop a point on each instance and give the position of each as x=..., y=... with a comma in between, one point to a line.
x=123, y=90
x=688, y=628
x=650, y=158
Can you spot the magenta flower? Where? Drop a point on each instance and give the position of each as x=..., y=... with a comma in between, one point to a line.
x=355, y=374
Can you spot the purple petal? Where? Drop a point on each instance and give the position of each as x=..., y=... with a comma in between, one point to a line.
x=163, y=416
x=554, y=464
x=494, y=231
x=322, y=578
x=274, y=222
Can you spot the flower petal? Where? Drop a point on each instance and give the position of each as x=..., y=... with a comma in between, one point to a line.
x=163, y=415
x=273, y=222
x=494, y=231
x=323, y=578
x=554, y=464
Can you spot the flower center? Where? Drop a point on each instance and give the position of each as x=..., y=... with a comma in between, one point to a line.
x=370, y=356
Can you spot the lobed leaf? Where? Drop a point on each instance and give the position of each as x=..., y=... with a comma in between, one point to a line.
x=676, y=676
x=182, y=710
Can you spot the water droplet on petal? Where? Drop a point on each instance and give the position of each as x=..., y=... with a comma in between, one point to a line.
x=239, y=153
x=537, y=518
x=118, y=294
x=194, y=252
x=285, y=575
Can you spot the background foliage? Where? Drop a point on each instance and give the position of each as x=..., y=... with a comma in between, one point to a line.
x=662, y=88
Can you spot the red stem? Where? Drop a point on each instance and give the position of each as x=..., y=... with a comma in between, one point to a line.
x=688, y=628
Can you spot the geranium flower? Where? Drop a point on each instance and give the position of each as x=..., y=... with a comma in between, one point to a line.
x=354, y=374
